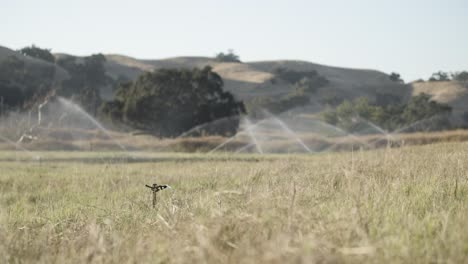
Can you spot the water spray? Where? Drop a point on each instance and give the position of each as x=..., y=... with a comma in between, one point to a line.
x=78, y=109
x=252, y=135
x=288, y=131
x=237, y=134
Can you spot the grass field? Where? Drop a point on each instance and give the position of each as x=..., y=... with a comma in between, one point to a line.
x=391, y=205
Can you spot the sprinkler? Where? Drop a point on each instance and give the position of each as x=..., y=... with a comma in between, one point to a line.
x=155, y=189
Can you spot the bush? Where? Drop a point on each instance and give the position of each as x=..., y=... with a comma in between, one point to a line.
x=395, y=77
x=422, y=107
x=439, y=76
x=38, y=53
x=296, y=77
x=228, y=57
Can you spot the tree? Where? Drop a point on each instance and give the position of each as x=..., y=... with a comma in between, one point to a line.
x=169, y=102
x=421, y=107
x=12, y=68
x=36, y=52
x=87, y=77
x=228, y=57
x=439, y=76
x=395, y=77
x=461, y=76
x=349, y=114
x=311, y=84
x=20, y=86
x=11, y=95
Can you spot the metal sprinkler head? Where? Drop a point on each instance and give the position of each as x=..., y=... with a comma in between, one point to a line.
x=155, y=189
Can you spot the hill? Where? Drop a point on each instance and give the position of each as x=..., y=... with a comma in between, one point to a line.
x=245, y=80
x=253, y=79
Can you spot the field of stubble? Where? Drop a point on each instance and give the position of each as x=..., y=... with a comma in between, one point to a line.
x=405, y=205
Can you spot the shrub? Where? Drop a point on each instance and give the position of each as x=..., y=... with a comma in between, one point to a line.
x=230, y=56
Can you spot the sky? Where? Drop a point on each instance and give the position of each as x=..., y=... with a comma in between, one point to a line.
x=412, y=37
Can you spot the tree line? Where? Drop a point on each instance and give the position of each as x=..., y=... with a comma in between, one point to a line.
x=353, y=115
x=166, y=102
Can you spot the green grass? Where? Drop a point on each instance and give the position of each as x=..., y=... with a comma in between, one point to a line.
x=392, y=205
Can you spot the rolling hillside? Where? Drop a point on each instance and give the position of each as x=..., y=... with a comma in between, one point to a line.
x=244, y=80
x=251, y=79
x=257, y=79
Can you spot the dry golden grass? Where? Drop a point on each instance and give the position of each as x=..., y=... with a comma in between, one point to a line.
x=404, y=205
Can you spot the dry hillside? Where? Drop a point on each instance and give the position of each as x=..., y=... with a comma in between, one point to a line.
x=257, y=79
x=252, y=79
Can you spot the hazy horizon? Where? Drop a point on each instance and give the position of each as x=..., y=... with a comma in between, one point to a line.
x=414, y=39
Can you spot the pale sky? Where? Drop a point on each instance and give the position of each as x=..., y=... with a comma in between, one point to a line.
x=412, y=37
